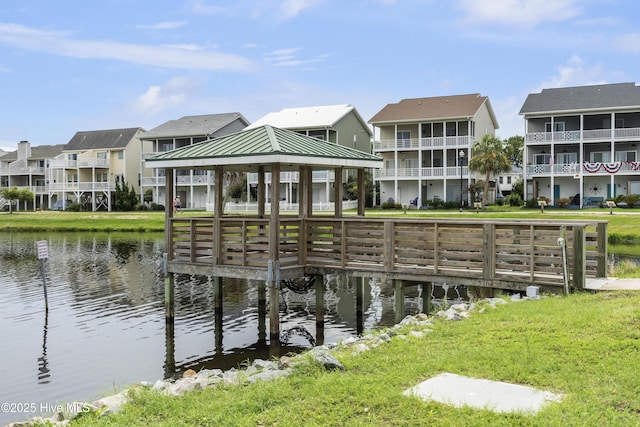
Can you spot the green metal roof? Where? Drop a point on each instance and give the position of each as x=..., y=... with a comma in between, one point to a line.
x=264, y=145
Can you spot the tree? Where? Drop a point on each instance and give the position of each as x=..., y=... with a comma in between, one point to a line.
x=125, y=198
x=488, y=157
x=513, y=148
x=14, y=194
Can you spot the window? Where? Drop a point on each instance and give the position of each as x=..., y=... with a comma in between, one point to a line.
x=411, y=163
x=625, y=156
x=404, y=138
x=72, y=177
x=600, y=157
x=102, y=155
x=541, y=159
x=508, y=180
x=120, y=155
x=500, y=180
x=566, y=158
x=557, y=127
x=451, y=128
x=72, y=156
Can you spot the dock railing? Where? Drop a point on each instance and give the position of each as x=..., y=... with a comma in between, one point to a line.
x=506, y=254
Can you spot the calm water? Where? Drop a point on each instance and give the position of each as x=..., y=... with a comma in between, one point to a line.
x=105, y=327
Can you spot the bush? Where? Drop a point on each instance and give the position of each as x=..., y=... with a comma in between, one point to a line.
x=141, y=207
x=514, y=199
x=156, y=207
x=74, y=207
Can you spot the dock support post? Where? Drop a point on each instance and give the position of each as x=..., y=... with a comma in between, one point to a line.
x=262, y=312
x=398, y=295
x=319, y=285
x=169, y=293
x=217, y=311
x=273, y=280
x=170, y=348
x=426, y=296
x=360, y=305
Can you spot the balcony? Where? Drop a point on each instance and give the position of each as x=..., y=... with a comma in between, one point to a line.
x=294, y=177
x=82, y=186
x=450, y=172
x=590, y=135
x=153, y=181
x=80, y=163
x=416, y=143
x=585, y=169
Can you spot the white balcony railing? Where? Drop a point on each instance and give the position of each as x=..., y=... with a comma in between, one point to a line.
x=153, y=181
x=82, y=186
x=433, y=172
x=416, y=143
x=588, y=168
x=590, y=135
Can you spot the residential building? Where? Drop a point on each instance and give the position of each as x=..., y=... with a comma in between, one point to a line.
x=340, y=124
x=194, y=187
x=581, y=143
x=28, y=168
x=426, y=143
x=91, y=163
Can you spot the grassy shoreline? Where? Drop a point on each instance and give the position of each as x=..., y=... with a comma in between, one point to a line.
x=624, y=225
x=584, y=346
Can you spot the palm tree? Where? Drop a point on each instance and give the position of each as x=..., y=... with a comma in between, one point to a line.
x=488, y=157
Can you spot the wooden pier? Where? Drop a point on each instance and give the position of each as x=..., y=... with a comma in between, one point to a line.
x=504, y=254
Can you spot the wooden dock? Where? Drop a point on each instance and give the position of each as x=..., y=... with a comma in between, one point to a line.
x=503, y=254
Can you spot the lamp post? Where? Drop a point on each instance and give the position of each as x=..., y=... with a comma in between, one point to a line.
x=461, y=158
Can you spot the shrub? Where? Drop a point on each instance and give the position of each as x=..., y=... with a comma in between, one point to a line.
x=156, y=207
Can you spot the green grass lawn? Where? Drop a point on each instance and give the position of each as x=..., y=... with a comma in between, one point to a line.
x=584, y=346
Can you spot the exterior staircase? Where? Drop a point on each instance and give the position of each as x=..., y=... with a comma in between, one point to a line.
x=3, y=202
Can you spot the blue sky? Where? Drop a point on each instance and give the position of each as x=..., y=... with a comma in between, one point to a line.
x=78, y=65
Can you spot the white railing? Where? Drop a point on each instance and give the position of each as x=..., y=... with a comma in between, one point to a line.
x=92, y=163
x=294, y=177
x=153, y=181
x=82, y=186
x=25, y=170
x=434, y=172
x=597, y=168
x=585, y=135
x=284, y=206
x=427, y=142
x=194, y=179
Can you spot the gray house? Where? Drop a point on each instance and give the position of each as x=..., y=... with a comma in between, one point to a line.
x=194, y=187
x=581, y=143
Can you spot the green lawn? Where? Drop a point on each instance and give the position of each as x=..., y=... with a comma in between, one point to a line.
x=584, y=346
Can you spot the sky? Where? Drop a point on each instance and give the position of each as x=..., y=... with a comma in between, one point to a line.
x=76, y=65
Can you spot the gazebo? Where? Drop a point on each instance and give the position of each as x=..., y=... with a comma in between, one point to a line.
x=265, y=247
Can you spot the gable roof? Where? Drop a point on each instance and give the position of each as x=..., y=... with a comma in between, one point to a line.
x=97, y=139
x=433, y=108
x=264, y=145
x=318, y=117
x=609, y=96
x=203, y=125
x=37, y=152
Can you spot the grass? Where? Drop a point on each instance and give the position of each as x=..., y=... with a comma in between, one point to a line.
x=584, y=346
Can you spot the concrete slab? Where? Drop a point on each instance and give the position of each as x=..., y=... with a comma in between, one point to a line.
x=612, y=284
x=495, y=396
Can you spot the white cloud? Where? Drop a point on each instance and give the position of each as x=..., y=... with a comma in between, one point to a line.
x=291, y=8
x=174, y=92
x=167, y=25
x=575, y=72
x=59, y=43
x=517, y=13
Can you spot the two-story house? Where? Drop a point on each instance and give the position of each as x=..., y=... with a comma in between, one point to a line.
x=582, y=143
x=340, y=124
x=91, y=163
x=194, y=187
x=426, y=143
x=28, y=168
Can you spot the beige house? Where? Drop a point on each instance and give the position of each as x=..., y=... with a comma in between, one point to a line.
x=426, y=143
x=89, y=166
x=340, y=124
x=28, y=168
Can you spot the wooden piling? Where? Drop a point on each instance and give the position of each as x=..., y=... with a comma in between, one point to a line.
x=319, y=288
x=398, y=296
